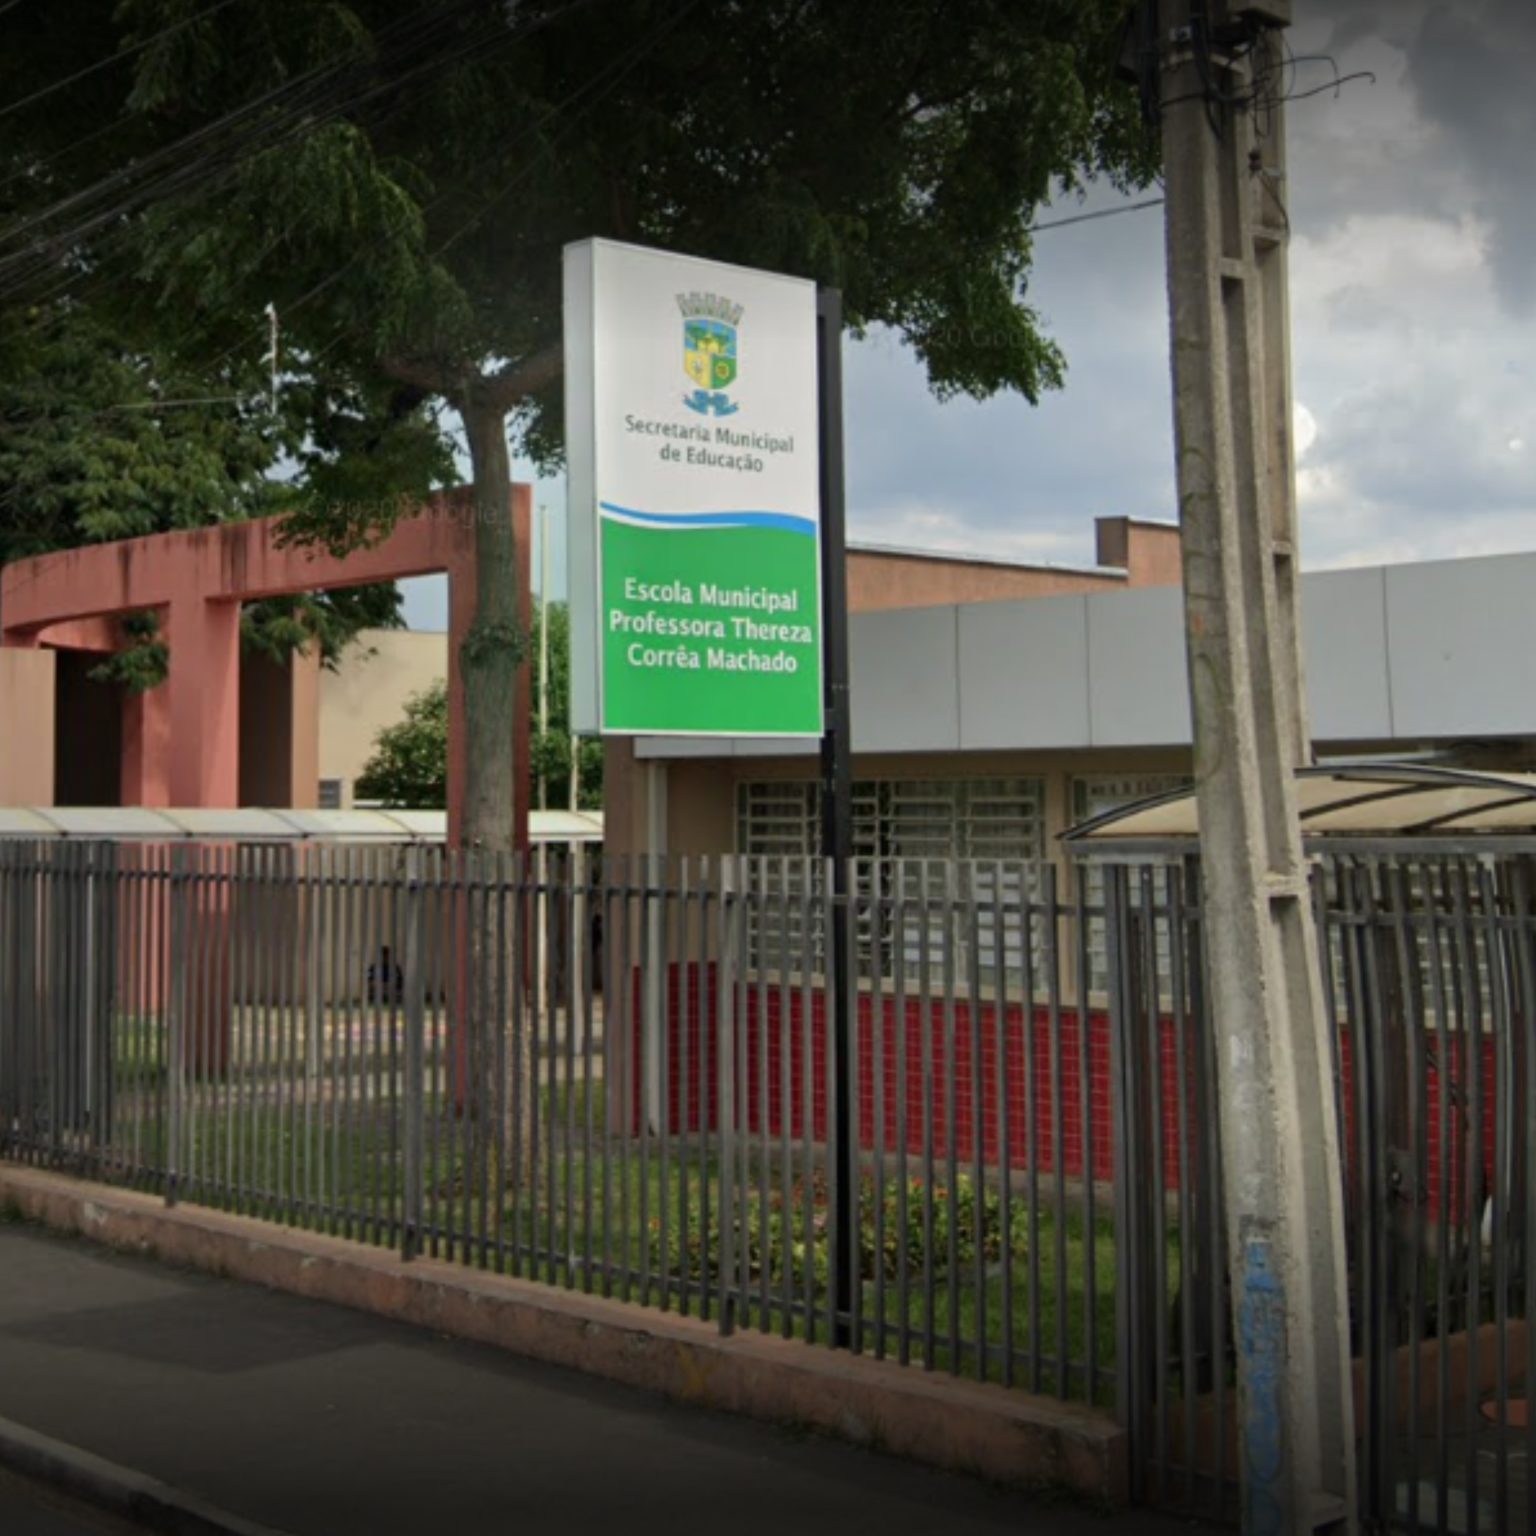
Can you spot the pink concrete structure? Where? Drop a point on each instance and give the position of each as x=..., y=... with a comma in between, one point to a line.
x=180, y=742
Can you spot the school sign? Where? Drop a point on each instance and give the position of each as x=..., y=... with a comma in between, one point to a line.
x=695, y=532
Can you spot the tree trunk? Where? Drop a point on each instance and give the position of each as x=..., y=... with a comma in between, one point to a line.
x=489, y=661
x=496, y=642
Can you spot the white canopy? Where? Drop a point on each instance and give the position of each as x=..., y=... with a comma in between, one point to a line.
x=141, y=824
x=1377, y=800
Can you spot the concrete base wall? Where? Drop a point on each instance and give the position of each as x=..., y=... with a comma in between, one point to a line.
x=999, y=1434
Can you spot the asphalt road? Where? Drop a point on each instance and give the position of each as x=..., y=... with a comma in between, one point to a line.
x=324, y=1422
x=27, y=1510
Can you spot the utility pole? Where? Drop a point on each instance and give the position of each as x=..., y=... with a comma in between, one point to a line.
x=1220, y=78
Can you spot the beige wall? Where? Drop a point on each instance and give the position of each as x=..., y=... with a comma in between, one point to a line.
x=378, y=673
x=701, y=792
x=26, y=726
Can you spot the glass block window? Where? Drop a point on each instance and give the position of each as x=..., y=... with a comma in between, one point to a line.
x=906, y=829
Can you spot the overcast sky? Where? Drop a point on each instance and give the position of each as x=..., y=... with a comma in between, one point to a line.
x=1413, y=300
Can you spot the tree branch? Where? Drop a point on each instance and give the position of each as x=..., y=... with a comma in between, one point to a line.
x=526, y=376
x=423, y=375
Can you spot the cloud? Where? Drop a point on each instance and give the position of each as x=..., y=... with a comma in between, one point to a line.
x=1413, y=311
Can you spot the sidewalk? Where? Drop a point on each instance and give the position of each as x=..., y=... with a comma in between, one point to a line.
x=325, y=1422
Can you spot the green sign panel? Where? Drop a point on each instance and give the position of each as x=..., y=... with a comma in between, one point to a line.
x=694, y=486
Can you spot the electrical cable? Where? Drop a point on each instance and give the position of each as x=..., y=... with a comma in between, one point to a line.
x=596, y=87
x=306, y=84
x=293, y=124
x=1102, y=213
x=114, y=58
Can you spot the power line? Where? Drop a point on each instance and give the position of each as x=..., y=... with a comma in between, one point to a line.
x=115, y=58
x=207, y=172
x=1102, y=213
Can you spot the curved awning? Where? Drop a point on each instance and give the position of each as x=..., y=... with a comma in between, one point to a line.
x=1391, y=800
x=133, y=823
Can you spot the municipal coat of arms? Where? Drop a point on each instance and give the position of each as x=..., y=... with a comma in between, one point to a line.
x=709, y=351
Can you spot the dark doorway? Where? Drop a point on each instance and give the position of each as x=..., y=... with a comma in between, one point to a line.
x=87, y=734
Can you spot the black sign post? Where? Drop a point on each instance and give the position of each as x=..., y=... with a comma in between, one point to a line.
x=837, y=815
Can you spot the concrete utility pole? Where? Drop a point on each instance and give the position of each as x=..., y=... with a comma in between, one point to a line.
x=1221, y=75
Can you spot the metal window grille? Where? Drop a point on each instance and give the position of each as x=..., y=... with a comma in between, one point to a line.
x=899, y=826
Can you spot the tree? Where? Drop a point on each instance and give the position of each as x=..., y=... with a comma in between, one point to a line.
x=119, y=420
x=399, y=177
x=409, y=766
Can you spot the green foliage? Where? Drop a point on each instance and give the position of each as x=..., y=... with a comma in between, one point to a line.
x=276, y=626
x=411, y=231
x=399, y=177
x=970, y=1218
x=144, y=659
x=83, y=455
x=409, y=766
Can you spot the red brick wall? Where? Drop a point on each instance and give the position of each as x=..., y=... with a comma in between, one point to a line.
x=988, y=1065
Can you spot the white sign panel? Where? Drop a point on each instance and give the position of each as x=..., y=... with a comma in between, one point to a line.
x=695, y=533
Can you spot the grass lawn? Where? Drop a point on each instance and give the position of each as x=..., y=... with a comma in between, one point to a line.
x=646, y=1227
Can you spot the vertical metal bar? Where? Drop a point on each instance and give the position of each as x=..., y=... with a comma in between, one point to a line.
x=725, y=1092
x=582, y=880
x=1189, y=1277
x=786, y=1109
x=836, y=801
x=1151, y=1023
x=1033, y=1093
x=903, y=1129
x=1058, y=1148
x=176, y=1042
x=708, y=1095
x=645, y=955
x=1083, y=989
x=879, y=1143
x=1003, y=1109
x=413, y=1086
x=568, y=907
x=1127, y=1258
x=1407, y=1178
x=925, y=992
x=1523, y=945
x=547, y=1074
x=758, y=960
x=1471, y=1023
x=472, y=978
x=741, y=1167
x=953, y=1277
x=615, y=1015
x=630, y=1101
x=692, y=1132
x=660, y=1096
x=1496, y=1225
x=974, y=1005
x=809, y=928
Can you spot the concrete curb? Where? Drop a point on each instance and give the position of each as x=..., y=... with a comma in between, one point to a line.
x=1000, y=1434
x=93, y=1480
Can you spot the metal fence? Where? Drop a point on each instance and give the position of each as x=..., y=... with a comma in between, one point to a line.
x=1429, y=974
x=613, y=1076
x=620, y=1077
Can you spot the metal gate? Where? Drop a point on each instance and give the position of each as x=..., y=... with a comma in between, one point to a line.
x=1430, y=979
